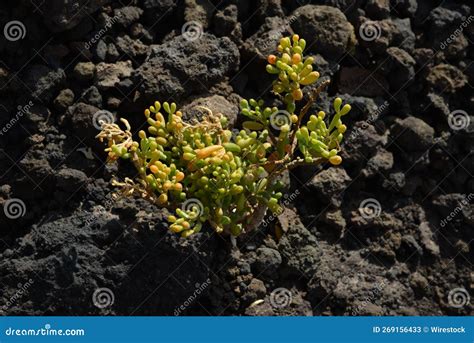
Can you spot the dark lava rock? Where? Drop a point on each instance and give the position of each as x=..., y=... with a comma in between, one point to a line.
x=226, y=23
x=69, y=180
x=399, y=68
x=92, y=96
x=325, y=28
x=328, y=186
x=43, y=82
x=445, y=78
x=61, y=15
x=108, y=75
x=379, y=35
x=378, y=9
x=406, y=8
x=64, y=99
x=125, y=16
x=263, y=42
x=267, y=262
x=180, y=66
x=412, y=134
x=131, y=47
x=362, y=82
x=69, y=259
x=80, y=118
x=84, y=71
x=255, y=290
x=216, y=103
x=381, y=162
x=298, y=247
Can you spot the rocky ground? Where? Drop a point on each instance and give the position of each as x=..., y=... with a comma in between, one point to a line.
x=389, y=232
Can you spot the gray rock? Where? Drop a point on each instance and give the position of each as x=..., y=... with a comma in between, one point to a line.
x=216, y=103
x=255, y=290
x=80, y=117
x=43, y=82
x=92, y=97
x=406, y=8
x=61, y=15
x=427, y=239
x=226, y=23
x=298, y=247
x=125, y=16
x=180, y=67
x=264, y=41
x=362, y=82
x=267, y=262
x=73, y=259
x=381, y=162
x=378, y=9
x=131, y=47
x=69, y=180
x=412, y=134
x=200, y=11
x=325, y=28
x=100, y=50
x=399, y=68
x=108, y=75
x=379, y=35
x=363, y=141
x=84, y=71
x=445, y=78
x=329, y=185
x=64, y=99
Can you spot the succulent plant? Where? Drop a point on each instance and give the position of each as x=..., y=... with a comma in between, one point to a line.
x=205, y=172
